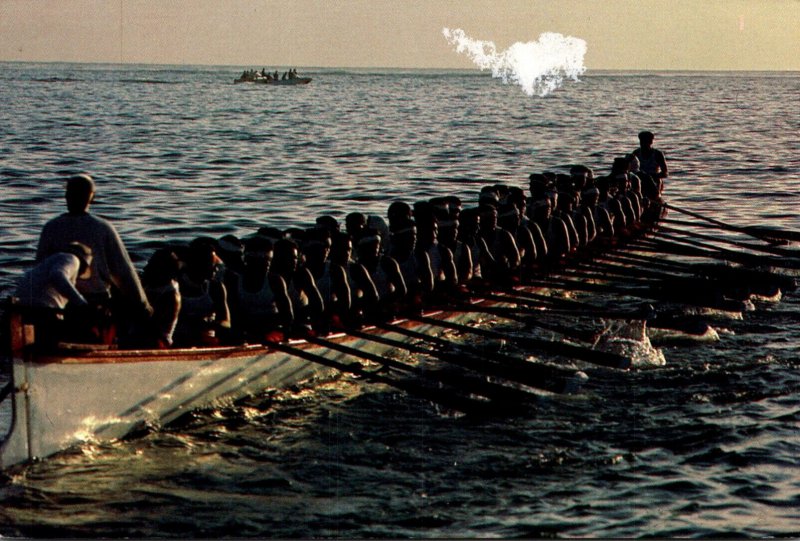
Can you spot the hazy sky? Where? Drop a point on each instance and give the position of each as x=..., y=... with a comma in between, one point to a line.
x=620, y=34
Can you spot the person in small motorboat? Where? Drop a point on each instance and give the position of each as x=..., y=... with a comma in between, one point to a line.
x=46, y=290
x=112, y=268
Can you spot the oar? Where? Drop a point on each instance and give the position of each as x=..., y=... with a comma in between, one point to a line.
x=695, y=297
x=673, y=234
x=769, y=248
x=601, y=358
x=705, y=286
x=453, y=401
x=662, y=246
x=528, y=320
x=463, y=382
x=548, y=378
x=761, y=232
x=731, y=279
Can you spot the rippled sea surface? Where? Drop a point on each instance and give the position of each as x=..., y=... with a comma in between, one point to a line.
x=706, y=446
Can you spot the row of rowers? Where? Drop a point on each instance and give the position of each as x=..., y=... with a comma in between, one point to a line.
x=275, y=282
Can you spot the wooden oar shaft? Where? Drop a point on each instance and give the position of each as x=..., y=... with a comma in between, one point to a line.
x=775, y=250
x=694, y=297
x=518, y=367
x=663, y=246
x=456, y=402
x=532, y=375
x=761, y=232
x=601, y=358
x=460, y=381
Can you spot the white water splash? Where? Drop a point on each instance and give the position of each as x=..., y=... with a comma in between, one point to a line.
x=629, y=339
x=539, y=67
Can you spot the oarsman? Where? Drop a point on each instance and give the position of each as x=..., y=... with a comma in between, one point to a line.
x=650, y=188
x=383, y=271
x=607, y=200
x=415, y=265
x=508, y=218
x=355, y=223
x=583, y=218
x=449, y=237
x=160, y=282
x=469, y=235
x=501, y=246
x=516, y=196
x=553, y=228
x=331, y=279
x=307, y=303
x=565, y=204
x=378, y=224
x=260, y=306
x=603, y=223
x=204, y=319
x=111, y=265
x=230, y=251
x=364, y=298
x=328, y=222
x=442, y=263
x=48, y=288
x=651, y=160
x=621, y=191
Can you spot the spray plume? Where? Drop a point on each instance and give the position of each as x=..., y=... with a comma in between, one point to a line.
x=539, y=67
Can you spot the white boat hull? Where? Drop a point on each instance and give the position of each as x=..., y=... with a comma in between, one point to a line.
x=88, y=396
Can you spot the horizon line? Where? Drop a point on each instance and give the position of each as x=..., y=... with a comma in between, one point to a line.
x=429, y=68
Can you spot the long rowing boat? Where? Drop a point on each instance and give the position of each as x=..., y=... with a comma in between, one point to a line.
x=80, y=393
x=83, y=394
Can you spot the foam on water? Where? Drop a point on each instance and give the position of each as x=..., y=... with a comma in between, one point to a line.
x=629, y=338
x=538, y=67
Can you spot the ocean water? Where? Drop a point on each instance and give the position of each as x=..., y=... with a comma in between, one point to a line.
x=707, y=445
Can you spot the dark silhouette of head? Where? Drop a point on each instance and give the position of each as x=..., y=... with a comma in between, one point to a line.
x=80, y=193
x=646, y=139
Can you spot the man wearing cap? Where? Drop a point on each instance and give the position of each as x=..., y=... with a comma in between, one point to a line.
x=110, y=265
x=49, y=287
